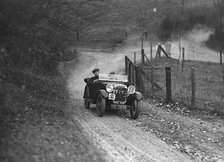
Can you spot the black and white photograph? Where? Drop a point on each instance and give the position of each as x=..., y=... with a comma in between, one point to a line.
x=112, y=80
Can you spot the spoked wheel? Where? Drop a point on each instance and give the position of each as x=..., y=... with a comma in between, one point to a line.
x=100, y=105
x=86, y=100
x=134, y=111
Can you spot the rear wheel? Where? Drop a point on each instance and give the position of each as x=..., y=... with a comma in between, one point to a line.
x=100, y=105
x=86, y=99
x=134, y=111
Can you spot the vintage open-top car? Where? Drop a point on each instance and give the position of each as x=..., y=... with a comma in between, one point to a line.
x=112, y=89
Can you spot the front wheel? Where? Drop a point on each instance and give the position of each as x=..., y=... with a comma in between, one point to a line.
x=86, y=98
x=86, y=103
x=134, y=111
x=100, y=105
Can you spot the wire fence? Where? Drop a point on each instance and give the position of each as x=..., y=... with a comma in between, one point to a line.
x=197, y=84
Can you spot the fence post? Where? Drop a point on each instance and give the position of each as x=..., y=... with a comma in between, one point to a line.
x=221, y=57
x=134, y=57
x=141, y=81
x=137, y=76
x=183, y=58
x=152, y=76
x=151, y=51
x=192, y=88
x=168, y=85
x=129, y=71
x=143, y=57
x=158, y=52
x=134, y=74
x=223, y=81
x=126, y=64
x=223, y=74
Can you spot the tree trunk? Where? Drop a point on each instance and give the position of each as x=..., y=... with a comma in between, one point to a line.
x=77, y=35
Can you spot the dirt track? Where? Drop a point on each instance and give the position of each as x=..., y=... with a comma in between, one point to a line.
x=121, y=140
x=124, y=140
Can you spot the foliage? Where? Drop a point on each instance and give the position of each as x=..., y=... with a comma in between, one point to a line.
x=219, y=14
x=33, y=32
x=216, y=40
x=39, y=118
x=169, y=26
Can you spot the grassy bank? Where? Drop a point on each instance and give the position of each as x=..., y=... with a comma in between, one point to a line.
x=208, y=77
x=36, y=123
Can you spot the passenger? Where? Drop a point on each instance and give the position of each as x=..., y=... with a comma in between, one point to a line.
x=112, y=75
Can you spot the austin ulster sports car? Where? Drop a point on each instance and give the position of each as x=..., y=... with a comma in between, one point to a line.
x=110, y=90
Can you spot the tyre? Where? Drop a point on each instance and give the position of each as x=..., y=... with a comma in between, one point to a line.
x=86, y=103
x=86, y=99
x=134, y=111
x=100, y=105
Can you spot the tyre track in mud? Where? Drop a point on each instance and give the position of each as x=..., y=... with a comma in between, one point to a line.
x=121, y=140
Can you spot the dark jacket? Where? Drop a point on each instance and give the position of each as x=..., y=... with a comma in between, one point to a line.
x=92, y=88
x=91, y=80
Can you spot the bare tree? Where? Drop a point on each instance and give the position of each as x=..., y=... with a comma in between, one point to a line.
x=182, y=6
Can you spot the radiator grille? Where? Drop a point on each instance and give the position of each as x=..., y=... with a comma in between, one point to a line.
x=120, y=94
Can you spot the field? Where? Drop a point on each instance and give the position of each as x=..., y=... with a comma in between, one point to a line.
x=209, y=91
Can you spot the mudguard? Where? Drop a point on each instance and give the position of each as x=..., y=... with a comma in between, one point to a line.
x=138, y=96
x=103, y=93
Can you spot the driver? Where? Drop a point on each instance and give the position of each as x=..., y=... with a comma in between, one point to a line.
x=96, y=75
x=90, y=84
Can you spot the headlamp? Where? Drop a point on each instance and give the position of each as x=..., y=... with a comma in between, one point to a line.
x=109, y=88
x=131, y=89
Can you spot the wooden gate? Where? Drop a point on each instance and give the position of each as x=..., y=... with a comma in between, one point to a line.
x=134, y=73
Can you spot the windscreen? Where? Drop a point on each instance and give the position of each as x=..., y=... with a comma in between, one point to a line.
x=113, y=77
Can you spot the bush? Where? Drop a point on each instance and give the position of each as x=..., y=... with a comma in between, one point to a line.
x=216, y=41
x=35, y=32
x=195, y=19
